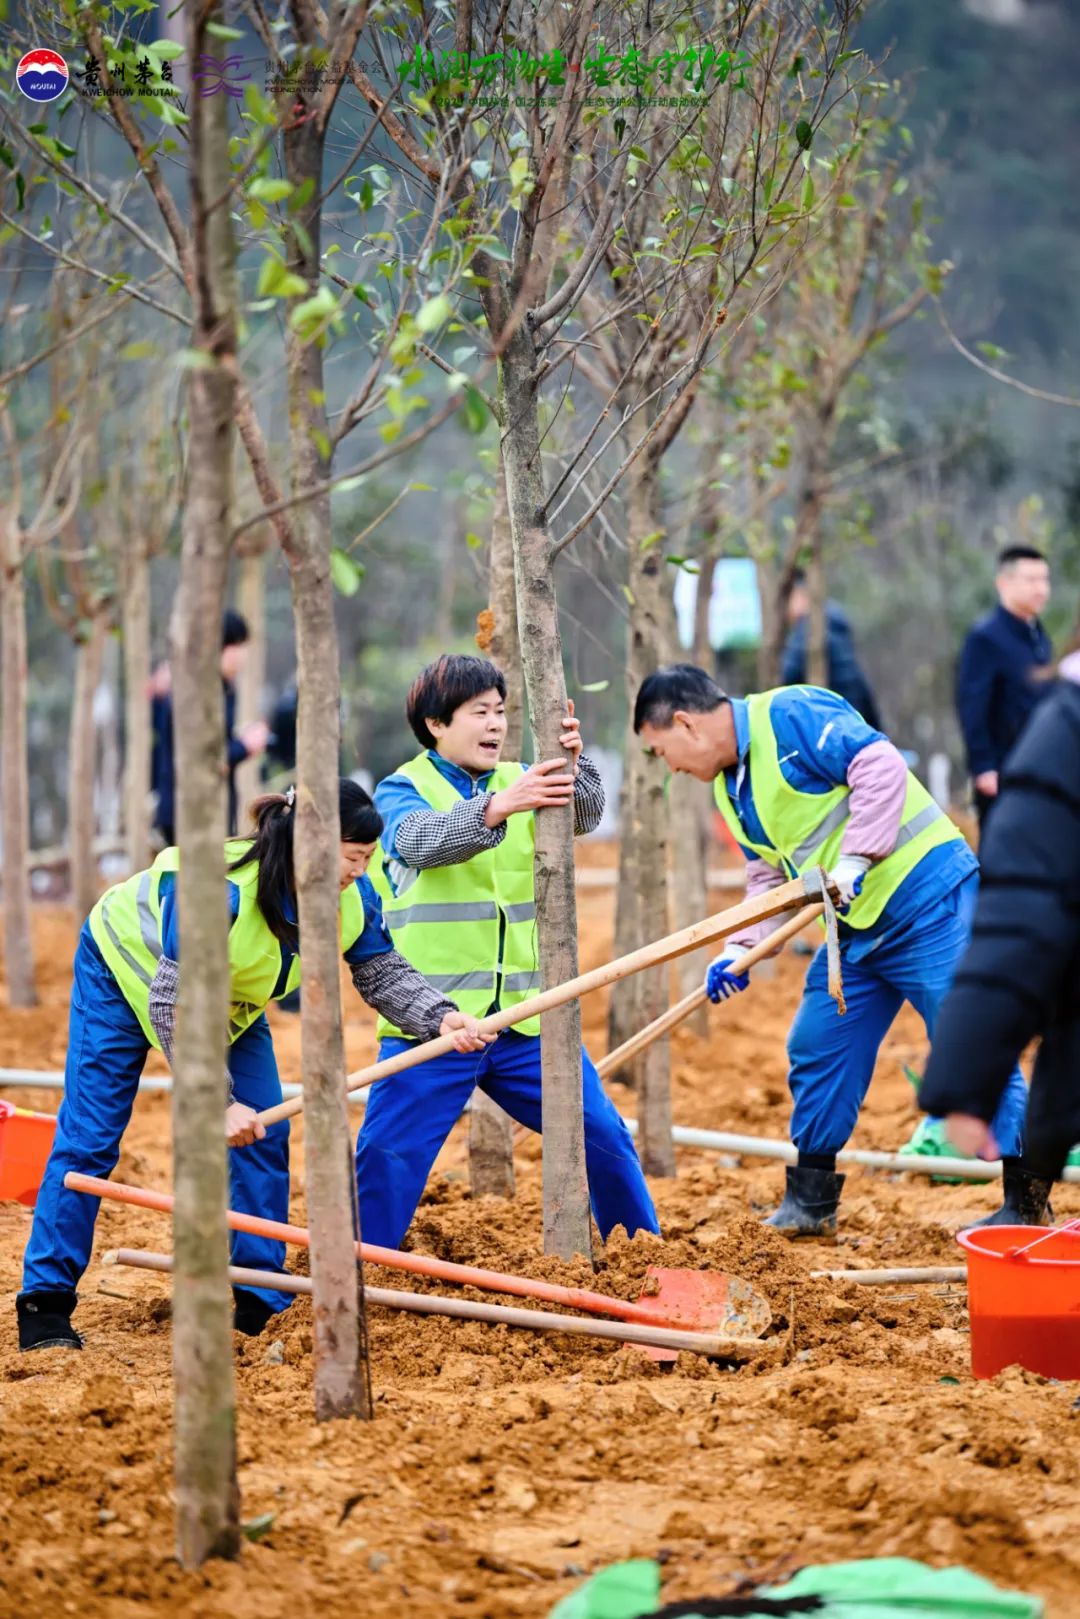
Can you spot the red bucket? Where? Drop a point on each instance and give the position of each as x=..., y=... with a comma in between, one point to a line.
x=1024, y=1299
x=25, y=1144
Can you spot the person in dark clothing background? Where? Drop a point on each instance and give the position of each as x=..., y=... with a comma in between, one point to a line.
x=245, y=744
x=1003, y=668
x=1020, y=976
x=845, y=675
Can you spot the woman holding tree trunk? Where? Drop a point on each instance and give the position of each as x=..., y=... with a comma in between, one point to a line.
x=123, y=1003
x=456, y=875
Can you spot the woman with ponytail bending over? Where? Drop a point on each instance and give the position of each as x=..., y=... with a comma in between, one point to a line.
x=123, y=1002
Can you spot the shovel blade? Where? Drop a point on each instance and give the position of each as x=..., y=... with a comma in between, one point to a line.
x=704, y=1301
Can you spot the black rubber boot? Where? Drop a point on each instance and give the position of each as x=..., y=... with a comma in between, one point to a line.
x=250, y=1312
x=45, y=1321
x=1026, y=1198
x=810, y=1202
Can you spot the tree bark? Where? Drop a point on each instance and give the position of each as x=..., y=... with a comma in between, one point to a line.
x=567, y=1228
x=817, y=647
x=14, y=766
x=82, y=761
x=491, y=1131
x=135, y=629
x=643, y=864
x=342, y=1385
x=207, y=1496
x=251, y=600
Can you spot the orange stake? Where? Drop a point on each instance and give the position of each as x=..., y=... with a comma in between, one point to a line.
x=527, y=1287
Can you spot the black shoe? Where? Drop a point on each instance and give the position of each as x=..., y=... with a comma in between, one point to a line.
x=1026, y=1198
x=811, y=1197
x=250, y=1312
x=45, y=1321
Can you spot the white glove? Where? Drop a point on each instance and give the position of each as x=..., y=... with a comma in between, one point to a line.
x=847, y=877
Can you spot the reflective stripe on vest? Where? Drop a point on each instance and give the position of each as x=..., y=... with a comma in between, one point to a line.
x=807, y=829
x=126, y=926
x=449, y=921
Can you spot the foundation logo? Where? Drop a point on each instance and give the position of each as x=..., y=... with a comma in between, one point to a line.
x=42, y=75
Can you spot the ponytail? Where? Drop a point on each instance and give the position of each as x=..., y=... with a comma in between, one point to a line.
x=272, y=846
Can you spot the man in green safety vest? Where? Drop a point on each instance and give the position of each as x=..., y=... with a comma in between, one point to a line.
x=455, y=873
x=801, y=781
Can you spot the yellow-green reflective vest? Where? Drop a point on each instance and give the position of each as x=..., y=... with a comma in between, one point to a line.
x=126, y=925
x=806, y=829
x=448, y=921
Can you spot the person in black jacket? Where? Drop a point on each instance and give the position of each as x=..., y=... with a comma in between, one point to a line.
x=250, y=741
x=1003, y=668
x=845, y=674
x=1021, y=975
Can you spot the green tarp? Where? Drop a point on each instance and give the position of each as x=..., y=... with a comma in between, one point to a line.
x=878, y=1588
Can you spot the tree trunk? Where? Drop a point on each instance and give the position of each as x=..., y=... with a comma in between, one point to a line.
x=207, y=1496
x=690, y=809
x=491, y=1131
x=567, y=1228
x=82, y=760
x=820, y=436
x=817, y=644
x=773, y=624
x=14, y=765
x=251, y=600
x=135, y=629
x=644, y=854
x=342, y=1385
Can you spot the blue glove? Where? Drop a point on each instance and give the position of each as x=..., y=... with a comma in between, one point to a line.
x=848, y=876
x=720, y=981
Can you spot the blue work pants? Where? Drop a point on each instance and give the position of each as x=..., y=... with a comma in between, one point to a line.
x=410, y=1115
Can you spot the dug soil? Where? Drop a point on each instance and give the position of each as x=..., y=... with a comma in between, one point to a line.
x=504, y=1465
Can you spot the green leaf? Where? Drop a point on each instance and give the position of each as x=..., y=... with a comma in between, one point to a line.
x=422, y=488
x=20, y=188
x=221, y=30
x=389, y=431
x=314, y=311
x=344, y=572
x=276, y=281
x=138, y=351
x=992, y=351
x=596, y=685
x=347, y=485
x=167, y=49
x=846, y=200
x=474, y=412
x=266, y=189
x=435, y=312
x=804, y=134
x=258, y=1528
x=473, y=541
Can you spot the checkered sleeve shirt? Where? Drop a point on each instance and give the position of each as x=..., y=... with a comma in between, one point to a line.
x=429, y=838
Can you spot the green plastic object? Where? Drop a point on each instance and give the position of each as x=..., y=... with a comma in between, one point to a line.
x=930, y=1141
x=898, y=1588
x=623, y=1591
x=874, y=1588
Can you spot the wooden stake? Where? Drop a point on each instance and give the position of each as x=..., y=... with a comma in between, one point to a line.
x=698, y=1343
x=881, y=1278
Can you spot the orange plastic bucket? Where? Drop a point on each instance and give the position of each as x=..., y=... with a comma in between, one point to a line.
x=25, y=1144
x=1024, y=1299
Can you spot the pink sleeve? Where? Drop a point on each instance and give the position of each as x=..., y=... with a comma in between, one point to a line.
x=877, y=777
x=760, y=877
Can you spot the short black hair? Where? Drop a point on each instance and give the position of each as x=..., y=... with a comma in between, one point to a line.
x=439, y=691
x=1020, y=553
x=680, y=685
x=234, y=628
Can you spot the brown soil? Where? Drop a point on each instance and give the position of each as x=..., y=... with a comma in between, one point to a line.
x=504, y=1465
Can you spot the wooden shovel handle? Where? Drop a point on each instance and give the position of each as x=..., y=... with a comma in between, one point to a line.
x=674, y=1015
x=786, y=897
x=700, y=1343
x=443, y=1270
